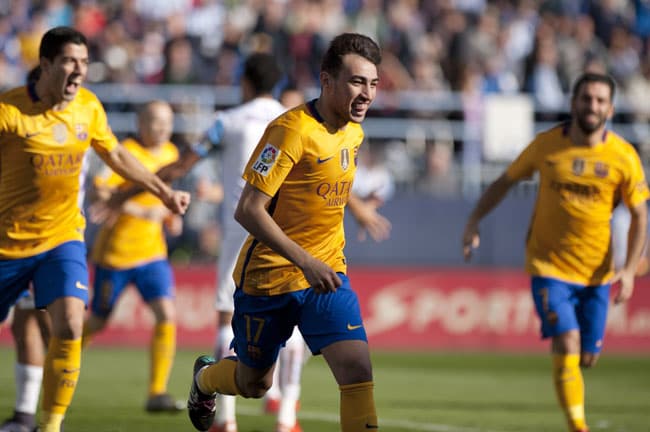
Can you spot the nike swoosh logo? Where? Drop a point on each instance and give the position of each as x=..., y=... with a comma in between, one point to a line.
x=369, y=426
x=71, y=370
x=354, y=327
x=320, y=161
x=33, y=134
x=81, y=286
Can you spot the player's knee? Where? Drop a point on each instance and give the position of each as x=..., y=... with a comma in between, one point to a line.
x=254, y=389
x=68, y=327
x=588, y=360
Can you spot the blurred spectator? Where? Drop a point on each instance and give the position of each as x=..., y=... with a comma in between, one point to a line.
x=543, y=79
x=440, y=177
x=180, y=64
x=623, y=53
x=472, y=146
x=60, y=13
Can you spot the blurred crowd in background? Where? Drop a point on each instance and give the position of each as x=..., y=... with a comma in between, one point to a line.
x=537, y=46
x=468, y=47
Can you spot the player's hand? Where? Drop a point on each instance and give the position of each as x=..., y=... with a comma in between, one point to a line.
x=178, y=201
x=173, y=225
x=626, y=280
x=105, y=212
x=371, y=222
x=321, y=277
x=471, y=239
x=208, y=191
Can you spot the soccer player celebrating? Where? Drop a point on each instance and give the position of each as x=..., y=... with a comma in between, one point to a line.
x=584, y=171
x=46, y=129
x=234, y=135
x=291, y=269
x=133, y=250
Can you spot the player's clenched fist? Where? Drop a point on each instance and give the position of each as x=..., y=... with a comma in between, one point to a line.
x=178, y=201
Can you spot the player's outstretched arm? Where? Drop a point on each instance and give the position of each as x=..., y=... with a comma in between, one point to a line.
x=127, y=166
x=252, y=214
x=492, y=196
x=103, y=210
x=367, y=216
x=636, y=244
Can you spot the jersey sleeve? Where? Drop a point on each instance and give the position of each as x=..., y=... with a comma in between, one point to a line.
x=7, y=120
x=100, y=132
x=525, y=165
x=634, y=189
x=274, y=157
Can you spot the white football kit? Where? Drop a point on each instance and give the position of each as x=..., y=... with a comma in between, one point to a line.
x=235, y=132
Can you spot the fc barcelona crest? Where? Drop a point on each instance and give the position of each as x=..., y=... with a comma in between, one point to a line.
x=345, y=159
x=601, y=169
x=81, y=130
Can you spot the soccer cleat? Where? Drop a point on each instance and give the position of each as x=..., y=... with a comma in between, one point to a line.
x=13, y=426
x=271, y=406
x=19, y=422
x=163, y=403
x=225, y=427
x=284, y=428
x=200, y=406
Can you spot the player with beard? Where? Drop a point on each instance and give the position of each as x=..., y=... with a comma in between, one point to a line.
x=584, y=171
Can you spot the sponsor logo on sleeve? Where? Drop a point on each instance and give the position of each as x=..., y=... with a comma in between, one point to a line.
x=266, y=160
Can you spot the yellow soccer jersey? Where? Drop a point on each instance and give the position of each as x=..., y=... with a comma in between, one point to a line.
x=309, y=172
x=569, y=235
x=137, y=237
x=41, y=157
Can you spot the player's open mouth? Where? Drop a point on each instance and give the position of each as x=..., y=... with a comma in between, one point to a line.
x=359, y=108
x=72, y=86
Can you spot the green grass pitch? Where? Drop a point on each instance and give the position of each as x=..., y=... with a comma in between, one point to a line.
x=433, y=392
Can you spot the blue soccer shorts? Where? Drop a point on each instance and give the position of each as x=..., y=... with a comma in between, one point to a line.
x=153, y=280
x=262, y=324
x=59, y=272
x=563, y=306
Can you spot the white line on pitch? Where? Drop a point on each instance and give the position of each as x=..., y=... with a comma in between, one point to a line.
x=384, y=422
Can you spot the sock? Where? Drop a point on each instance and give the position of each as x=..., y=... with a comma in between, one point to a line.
x=162, y=352
x=226, y=405
x=60, y=375
x=358, y=407
x=570, y=389
x=28, y=386
x=274, y=392
x=219, y=377
x=292, y=357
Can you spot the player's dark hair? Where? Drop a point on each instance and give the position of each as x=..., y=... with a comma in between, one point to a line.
x=54, y=39
x=349, y=43
x=262, y=72
x=592, y=77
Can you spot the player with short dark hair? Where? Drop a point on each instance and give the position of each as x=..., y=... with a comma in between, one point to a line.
x=46, y=129
x=291, y=269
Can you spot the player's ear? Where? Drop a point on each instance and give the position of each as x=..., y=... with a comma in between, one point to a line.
x=325, y=80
